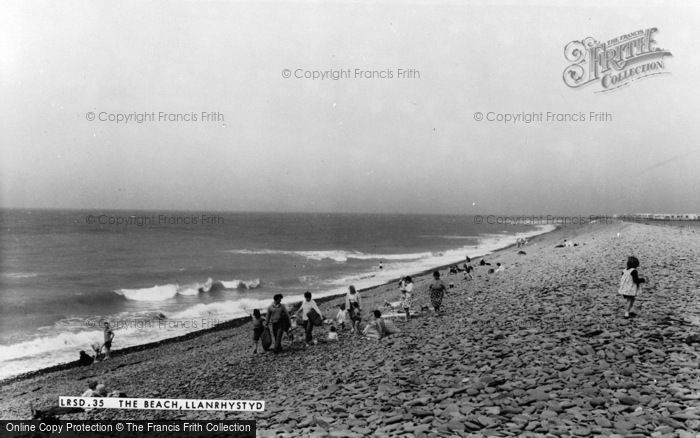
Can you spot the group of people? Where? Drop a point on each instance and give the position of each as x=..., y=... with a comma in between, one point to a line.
x=97, y=348
x=95, y=389
x=308, y=315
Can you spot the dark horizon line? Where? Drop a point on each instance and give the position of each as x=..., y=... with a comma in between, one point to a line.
x=203, y=211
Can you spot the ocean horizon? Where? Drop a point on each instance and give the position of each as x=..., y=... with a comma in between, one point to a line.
x=161, y=274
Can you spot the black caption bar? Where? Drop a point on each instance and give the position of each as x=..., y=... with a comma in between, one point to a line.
x=126, y=428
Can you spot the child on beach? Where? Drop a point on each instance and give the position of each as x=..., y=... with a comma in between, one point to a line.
x=355, y=317
x=468, y=272
x=332, y=334
x=258, y=328
x=630, y=283
x=341, y=318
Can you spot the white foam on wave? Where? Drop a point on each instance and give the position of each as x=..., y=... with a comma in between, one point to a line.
x=195, y=288
x=167, y=291
x=155, y=293
x=335, y=255
x=487, y=245
x=19, y=275
x=241, y=284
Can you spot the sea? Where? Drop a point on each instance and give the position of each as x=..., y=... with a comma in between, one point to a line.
x=156, y=275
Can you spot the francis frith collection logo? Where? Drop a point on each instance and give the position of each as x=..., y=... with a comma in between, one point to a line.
x=614, y=63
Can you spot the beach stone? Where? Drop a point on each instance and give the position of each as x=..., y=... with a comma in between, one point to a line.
x=628, y=400
x=492, y=410
x=603, y=422
x=539, y=395
x=581, y=431
x=343, y=434
x=455, y=425
x=420, y=412
x=622, y=425
x=511, y=410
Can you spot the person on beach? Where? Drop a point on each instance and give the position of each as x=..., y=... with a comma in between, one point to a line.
x=108, y=337
x=306, y=306
x=437, y=292
x=355, y=317
x=353, y=296
x=468, y=272
x=51, y=413
x=376, y=329
x=276, y=314
x=258, y=328
x=407, y=296
x=85, y=359
x=630, y=284
x=332, y=334
x=341, y=316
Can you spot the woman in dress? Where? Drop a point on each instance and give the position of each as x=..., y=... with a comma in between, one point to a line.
x=352, y=296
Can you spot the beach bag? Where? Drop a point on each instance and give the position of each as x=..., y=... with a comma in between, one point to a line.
x=266, y=339
x=314, y=317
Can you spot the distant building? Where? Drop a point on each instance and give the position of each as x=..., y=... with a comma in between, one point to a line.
x=663, y=216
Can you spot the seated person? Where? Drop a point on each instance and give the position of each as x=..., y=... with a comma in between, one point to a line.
x=332, y=334
x=85, y=359
x=375, y=329
x=51, y=413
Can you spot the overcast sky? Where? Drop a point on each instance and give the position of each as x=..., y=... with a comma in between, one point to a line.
x=407, y=145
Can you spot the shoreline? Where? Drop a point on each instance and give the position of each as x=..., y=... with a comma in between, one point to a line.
x=540, y=349
x=241, y=321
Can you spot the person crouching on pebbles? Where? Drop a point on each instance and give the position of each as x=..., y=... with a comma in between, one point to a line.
x=306, y=306
x=437, y=292
x=630, y=283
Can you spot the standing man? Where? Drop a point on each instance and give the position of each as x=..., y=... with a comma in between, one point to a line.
x=109, y=335
x=306, y=306
x=275, y=315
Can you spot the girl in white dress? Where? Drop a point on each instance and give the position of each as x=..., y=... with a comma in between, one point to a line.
x=630, y=284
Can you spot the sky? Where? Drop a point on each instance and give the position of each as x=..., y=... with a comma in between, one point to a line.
x=356, y=144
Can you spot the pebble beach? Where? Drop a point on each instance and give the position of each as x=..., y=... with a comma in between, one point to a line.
x=538, y=350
